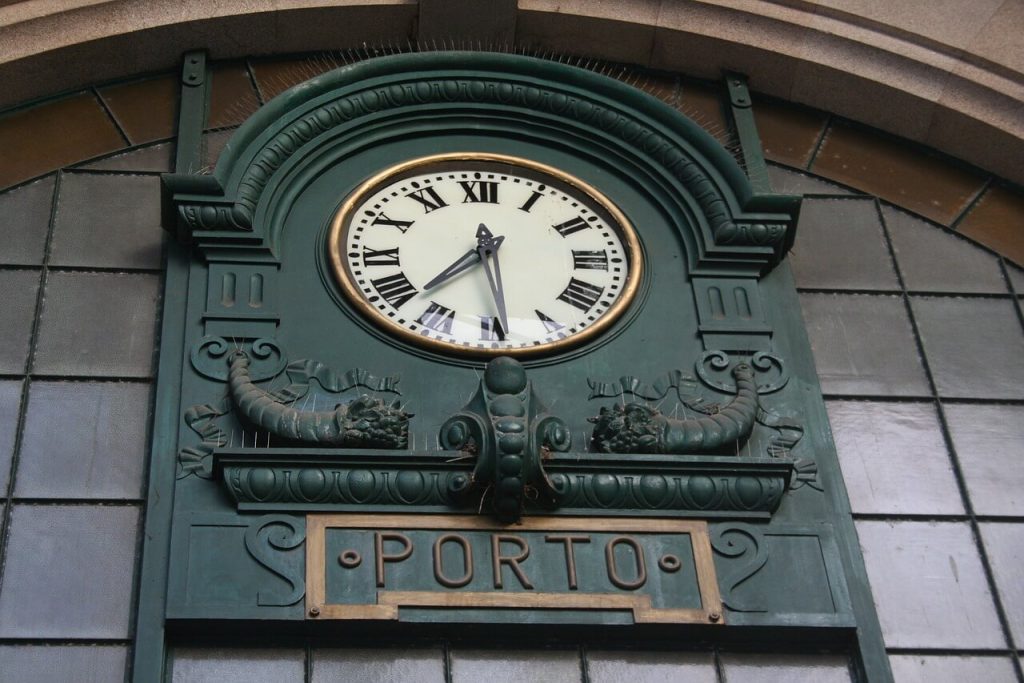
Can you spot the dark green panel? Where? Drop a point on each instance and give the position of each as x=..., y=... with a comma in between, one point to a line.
x=699, y=402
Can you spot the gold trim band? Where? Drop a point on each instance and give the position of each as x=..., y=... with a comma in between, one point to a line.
x=389, y=602
x=341, y=220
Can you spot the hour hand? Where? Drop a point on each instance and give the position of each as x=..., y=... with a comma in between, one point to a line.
x=470, y=258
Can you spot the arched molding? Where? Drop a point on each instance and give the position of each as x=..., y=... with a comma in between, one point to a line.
x=947, y=79
x=726, y=227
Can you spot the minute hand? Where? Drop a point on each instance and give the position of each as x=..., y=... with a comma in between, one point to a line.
x=489, y=247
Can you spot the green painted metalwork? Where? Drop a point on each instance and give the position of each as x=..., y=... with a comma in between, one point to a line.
x=700, y=402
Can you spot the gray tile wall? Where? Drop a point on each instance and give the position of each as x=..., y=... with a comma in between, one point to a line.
x=80, y=269
x=916, y=332
x=923, y=376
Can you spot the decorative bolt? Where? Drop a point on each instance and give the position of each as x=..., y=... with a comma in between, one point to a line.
x=714, y=616
x=315, y=612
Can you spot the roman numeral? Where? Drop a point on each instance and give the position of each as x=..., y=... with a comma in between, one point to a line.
x=437, y=318
x=382, y=219
x=429, y=198
x=550, y=324
x=570, y=226
x=591, y=260
x=480, y=191
x=380, y=257
x=580, y=294
x=528, y=204
x=490, y=329
x=396, y=289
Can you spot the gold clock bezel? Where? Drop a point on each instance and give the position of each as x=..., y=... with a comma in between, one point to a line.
x=339, y=266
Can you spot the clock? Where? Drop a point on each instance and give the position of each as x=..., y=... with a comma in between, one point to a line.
x=485, y=254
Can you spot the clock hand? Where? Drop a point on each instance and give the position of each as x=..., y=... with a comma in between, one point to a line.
x=487, y=245
x=470, y=258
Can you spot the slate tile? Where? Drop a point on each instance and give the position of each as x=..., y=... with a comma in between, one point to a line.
x=24, y=222
x=891, y=169
x=158, y=158
x=1004, y=545
x=17, y=309
x=69, y=572
x=10, y=408
x=840, y=244
x=788, y=134
x=787, y=181
x=706, y=106
x=106, y=220
x=98, y=324
x=412, y=665
x=974, y=346
x=651, y=667
x=989, y=441
x=51, y=135
x=232, y=96
x=929, y=586
x=934, y=260
x=893, y=458
x=62, y=663
x=863, y=345
x=515, y=666
x=213, y=145
x=950, y=669
x=146, y=110
x=997, y=221
x=237, y=665
x=274, y=76
x=84, y=440
x=1017, y=278
x=781, y=668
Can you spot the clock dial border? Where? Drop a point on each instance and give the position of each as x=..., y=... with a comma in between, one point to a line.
x=336, y=249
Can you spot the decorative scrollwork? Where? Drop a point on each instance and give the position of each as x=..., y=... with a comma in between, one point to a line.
x=744, y=545
x=209, y=355
x=762, y=362
x=266, y=539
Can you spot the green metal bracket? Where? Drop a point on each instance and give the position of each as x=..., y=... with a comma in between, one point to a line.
x=746, y=131
x=195, y=97
x=150, y=651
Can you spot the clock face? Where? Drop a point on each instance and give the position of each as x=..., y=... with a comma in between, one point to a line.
x=483, y=254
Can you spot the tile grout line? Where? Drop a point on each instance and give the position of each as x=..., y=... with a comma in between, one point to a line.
x=937, y=294
x=254, y=83
x=1018, y=305
x=971, y=204
x=26, y=385
x=719, y=667
x=819, y=143
x=110, y=115
x=947, y=437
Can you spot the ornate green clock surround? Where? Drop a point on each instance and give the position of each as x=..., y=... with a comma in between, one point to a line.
x=257, y=331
